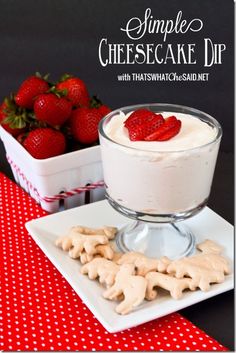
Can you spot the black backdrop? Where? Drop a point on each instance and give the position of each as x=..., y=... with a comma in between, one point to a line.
x=60, y=36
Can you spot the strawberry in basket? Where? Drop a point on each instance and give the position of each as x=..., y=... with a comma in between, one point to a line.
x=12, y=118
x=44, y=142
x=74, y=89
x=52, y=109
x=84, y=121
x=50, y=119
x=30, y=89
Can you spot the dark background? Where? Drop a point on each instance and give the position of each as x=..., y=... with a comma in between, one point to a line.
x=58, y=36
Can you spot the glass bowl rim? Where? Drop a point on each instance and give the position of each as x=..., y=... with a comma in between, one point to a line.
x=178, y=106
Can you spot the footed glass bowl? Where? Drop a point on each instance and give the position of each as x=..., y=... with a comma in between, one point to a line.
x=158, y=188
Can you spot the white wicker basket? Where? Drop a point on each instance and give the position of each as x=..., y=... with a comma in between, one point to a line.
x=57, y=183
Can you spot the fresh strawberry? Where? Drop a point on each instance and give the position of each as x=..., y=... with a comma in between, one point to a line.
x=75, y=90
x=138, y=117
x=166, y=131
x=6, y=126
x=95, y=102
x=12, y=118
x=52, y=109
x=21, y=137
x=29, y=90
x=104, y=110
x=44, y=143
x=84, y=124
x=139, y=132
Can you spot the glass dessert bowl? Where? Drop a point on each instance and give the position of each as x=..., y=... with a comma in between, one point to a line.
x=159, y=183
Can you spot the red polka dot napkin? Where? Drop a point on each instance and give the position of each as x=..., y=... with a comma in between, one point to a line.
x=41, y=312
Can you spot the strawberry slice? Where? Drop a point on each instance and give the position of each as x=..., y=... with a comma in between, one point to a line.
x=138, y=117
x=166, y=131
x=139, y=132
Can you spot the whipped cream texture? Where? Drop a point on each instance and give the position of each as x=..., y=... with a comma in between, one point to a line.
x=193, y=133
x=160, y=177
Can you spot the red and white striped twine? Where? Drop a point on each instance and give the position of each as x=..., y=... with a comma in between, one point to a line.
x=57, y=197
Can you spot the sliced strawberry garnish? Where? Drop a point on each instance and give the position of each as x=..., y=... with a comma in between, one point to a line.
x=138, y=117
x=139, y=132
x=166, y=131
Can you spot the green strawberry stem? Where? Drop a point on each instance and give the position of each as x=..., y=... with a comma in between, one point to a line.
x=58, y=93
x=65, y=77
x=45, y=77
x=16, y=117
x=95, y=102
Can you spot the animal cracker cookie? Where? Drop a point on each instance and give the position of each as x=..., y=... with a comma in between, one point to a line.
x=105, y=269
x=87, y=243
x=204, y=277
x=130, y=257
x=211, y=261
x=110, y=232
x=132, y=277
x=200, y=269
x=174, y=285
x=104, y=251
x=143, y=264
x=132, y=287
x=208, y=246
x=65, y=242
x=77, y=242
x=85, y=258
x=116, y=256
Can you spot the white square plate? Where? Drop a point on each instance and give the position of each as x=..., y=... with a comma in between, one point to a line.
x=45, y=230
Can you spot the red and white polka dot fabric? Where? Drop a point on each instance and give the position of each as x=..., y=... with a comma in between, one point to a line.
x=41, y=312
